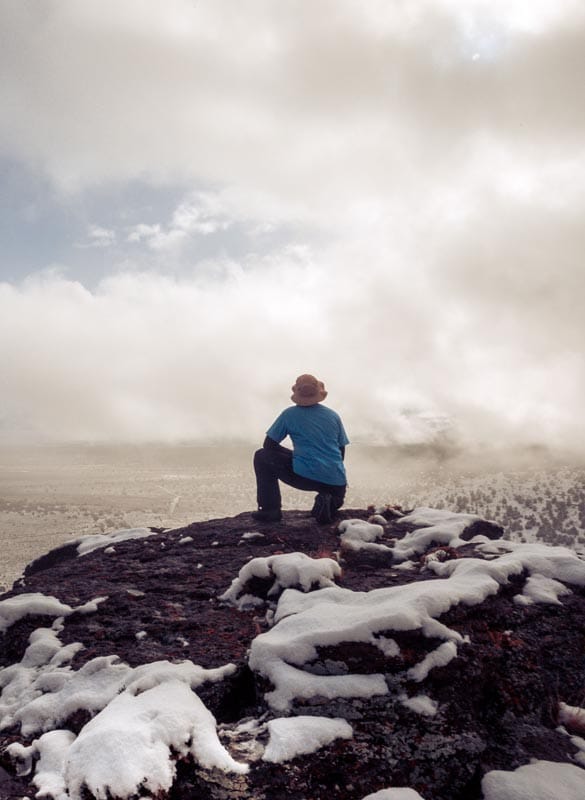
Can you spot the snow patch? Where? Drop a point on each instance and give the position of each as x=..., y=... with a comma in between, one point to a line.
x=387, y=646
x=40, y=693
x=572, y=716
x=557, y=563
x=26, y=605
x=579, y=743
x=440, y=657
x=357, y=534
x=51, y=751
x=128, y=747
x=399, y=793
x=378, y=519
x=420, y=704
x=434, y=527
x=143, y=716
x=288, y=570
x=95, y=541
x=334, y=615
x=541, y=780
x=539, y=589
x=295, y=736
x=405, y=565
x=424, y=517
x=148, y=726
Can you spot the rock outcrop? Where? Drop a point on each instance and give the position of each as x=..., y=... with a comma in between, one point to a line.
x=422, y=651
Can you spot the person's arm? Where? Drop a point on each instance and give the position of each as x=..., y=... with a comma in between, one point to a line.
x=274, y=447
x=342, y=448
x=277, y=431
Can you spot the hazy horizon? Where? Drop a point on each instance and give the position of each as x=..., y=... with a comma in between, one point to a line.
x=54, y=493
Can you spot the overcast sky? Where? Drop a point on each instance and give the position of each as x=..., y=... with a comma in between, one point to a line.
x=204, y=198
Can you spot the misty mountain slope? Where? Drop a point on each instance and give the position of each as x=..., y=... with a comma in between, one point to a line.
x=537, y=505
x=221, y=660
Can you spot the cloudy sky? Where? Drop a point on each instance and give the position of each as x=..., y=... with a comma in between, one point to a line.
x=202, y=199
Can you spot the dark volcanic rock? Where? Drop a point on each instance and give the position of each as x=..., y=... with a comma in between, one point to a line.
x=498, y=699
x=482, y=527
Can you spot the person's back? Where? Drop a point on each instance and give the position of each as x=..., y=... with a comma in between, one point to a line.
x=316, y=461
x=317, y=436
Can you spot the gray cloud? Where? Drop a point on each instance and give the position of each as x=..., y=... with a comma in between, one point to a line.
x=275, y=97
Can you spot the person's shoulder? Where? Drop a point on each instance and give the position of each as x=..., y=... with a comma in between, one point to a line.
x=328, y=410
x=288, y=412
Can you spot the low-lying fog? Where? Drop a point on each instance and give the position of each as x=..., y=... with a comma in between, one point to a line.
x=49, y=494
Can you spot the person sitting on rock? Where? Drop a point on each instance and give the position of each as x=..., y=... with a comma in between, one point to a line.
x=316, y=462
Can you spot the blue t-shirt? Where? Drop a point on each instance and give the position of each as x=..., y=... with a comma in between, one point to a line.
x=317, y=435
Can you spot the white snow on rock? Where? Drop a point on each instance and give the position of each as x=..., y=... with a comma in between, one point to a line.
x=143, y=715
x=146, y=676
x=40, y=692
x=26, y=605
x=290, y=569
x=405, y=566
x=539, y=589
x=387, y=646
x=295, y=736
x=41, y=699
x=36, y=604
x=127, y=746
x=439, y=657
x=434, y=526
x=357, y=534
x=572, y=715
x=95, y=541
x=378, y=519
x=51, y=751
x=424, y=517
x=420, y=704
x=541, y=780
x=399, y=793
x=334, y=615
x=557, y=563
x=579, y=743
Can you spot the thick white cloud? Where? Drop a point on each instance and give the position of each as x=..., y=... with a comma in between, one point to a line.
x=147, y=356
x=431, y=153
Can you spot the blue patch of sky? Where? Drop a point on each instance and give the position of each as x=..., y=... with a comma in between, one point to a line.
x=42, y=228
x=34, y=229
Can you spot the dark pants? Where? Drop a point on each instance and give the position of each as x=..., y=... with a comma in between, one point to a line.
x=274, y=464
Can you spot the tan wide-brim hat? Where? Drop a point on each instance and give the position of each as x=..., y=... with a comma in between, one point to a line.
x=308, y=391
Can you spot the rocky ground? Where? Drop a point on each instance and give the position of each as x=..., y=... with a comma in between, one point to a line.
x=498, y=699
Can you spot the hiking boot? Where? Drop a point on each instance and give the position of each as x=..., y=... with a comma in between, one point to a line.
x=264, y=515
x=323, y=508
